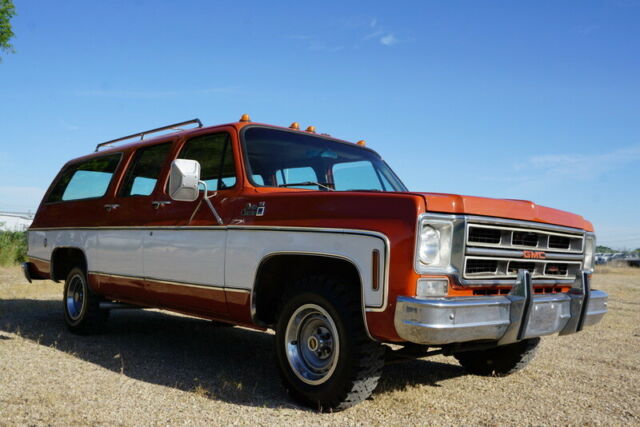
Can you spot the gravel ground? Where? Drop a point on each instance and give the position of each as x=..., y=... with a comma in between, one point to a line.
x=152, y=368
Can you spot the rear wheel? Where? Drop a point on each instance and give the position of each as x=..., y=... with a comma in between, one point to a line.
x=326, y=359
x=499, y=361
x=82, y=312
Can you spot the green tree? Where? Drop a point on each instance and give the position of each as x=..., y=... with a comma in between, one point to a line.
x=7, y=11
x=604, y=249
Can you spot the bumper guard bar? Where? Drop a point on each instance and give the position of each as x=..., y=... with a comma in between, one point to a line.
x=506, y=319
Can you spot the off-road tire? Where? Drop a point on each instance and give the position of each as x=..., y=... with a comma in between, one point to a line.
x=89, y=318
x=360, y=360
x=499, y=361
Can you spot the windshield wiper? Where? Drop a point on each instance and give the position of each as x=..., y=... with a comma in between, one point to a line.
x=306, y=183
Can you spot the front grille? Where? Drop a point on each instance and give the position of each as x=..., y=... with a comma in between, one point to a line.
x=556, y=269
x=481, y=266
x=525, y=238
x=559, y=242
x=504, y=237
x=484, y=235
x=514, y=266
x=495, y=251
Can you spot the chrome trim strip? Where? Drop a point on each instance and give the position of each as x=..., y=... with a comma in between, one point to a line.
x=514, y=253
x=168, y=282
x=38, y=258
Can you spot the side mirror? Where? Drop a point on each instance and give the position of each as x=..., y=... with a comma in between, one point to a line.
x=184, y=180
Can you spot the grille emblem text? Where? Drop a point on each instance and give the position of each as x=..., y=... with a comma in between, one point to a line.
x=534, y=254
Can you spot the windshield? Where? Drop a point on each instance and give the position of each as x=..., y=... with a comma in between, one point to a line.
x=279, y=158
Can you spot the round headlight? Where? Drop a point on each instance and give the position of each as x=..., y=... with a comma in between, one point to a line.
x=429, y=245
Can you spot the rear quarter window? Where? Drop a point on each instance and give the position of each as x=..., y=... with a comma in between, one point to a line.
x=88, y=179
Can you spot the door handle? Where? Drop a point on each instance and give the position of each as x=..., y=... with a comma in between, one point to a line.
x=160, y=203
x=111, y=207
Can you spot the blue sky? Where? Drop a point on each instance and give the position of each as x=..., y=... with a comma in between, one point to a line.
x=536, y=100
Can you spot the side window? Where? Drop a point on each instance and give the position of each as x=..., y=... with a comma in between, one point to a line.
x=144, y=170
x=359, y=175
x=85, y=180
x=215, y=155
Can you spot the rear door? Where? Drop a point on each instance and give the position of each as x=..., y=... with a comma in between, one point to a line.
x=131, y=213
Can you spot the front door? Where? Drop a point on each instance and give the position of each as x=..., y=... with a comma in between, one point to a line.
x=184, y=257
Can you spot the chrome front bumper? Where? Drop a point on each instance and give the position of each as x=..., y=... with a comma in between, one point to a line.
x=505, y=319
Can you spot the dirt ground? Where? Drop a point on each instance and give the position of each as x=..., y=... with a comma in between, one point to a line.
x=152, y=368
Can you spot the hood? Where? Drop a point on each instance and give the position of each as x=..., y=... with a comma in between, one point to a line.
x=523, y=210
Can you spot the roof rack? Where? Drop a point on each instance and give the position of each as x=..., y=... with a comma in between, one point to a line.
x=147, y=132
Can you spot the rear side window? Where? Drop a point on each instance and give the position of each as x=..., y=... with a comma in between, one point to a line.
x=144, y=170
x=215, y=155
x=85, y=180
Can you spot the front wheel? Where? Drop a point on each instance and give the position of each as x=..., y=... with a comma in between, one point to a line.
x=326, y=359
x=81, y=305
x=499, y=361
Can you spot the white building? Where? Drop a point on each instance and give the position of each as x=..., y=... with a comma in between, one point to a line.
x=15, y=221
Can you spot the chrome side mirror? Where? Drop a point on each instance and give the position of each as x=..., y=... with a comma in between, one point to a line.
x=184, y=180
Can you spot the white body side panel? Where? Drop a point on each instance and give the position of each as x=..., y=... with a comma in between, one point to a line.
x=247, y=248
x=42, y=243
x=119, y=252
x=215, y=256
x=189, y=256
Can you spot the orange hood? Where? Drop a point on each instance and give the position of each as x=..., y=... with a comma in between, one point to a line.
x=503, y=208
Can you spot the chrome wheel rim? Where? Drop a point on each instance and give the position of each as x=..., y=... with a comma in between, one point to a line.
x=76, y=297
x=312, y=344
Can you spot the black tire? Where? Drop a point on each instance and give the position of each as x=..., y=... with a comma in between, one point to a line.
x=499, y=361
x=81, y=305
x=357, y=361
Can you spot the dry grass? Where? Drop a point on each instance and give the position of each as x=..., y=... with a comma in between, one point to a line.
x=151, y=368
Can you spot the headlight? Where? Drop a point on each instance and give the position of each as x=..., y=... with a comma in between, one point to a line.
x=429, y=247
x=433, y=250
x=589, y=251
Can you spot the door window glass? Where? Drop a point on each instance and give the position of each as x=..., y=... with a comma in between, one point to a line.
x=215, y=155
x=144, y=170
x=85, y=180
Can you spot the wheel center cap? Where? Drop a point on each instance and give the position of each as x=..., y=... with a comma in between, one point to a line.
x=313, y=343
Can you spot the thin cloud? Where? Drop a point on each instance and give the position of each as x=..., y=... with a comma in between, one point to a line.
x=373, y=35
x=389, y=40
x=580, y=166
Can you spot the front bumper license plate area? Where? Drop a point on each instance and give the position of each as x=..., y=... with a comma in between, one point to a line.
x=505, y=319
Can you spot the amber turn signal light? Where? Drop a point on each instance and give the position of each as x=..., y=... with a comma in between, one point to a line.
x=245, y=118
x=295, y=126
x=311, y=129
x=362, y=143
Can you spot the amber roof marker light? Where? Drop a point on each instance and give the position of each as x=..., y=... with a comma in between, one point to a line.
x=311, y=129
x=245, y=118
x=362, y=143
x=294, y=126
